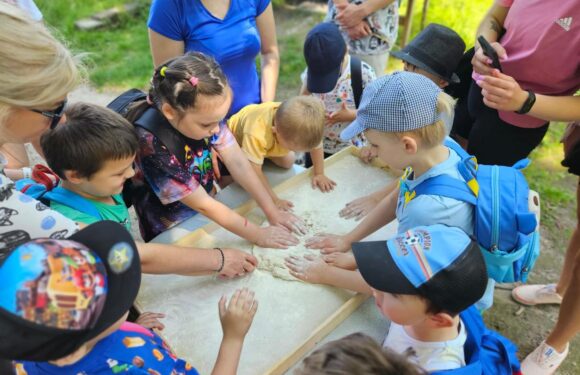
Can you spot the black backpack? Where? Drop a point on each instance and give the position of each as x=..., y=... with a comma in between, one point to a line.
x=154, y=122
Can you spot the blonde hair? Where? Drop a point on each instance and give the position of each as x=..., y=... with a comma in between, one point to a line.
x=300, y=120
x=36, y=70
x=433, y=134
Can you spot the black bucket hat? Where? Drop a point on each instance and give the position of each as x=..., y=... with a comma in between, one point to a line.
x=437, y=49
x=58, y=294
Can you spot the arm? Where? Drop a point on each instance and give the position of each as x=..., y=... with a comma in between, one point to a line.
x=319, y=180
x=236, y=319
x=165, y=259
x=281, y=203
x=491, y=28
x=358, y=208
x=163, y=48
x=314, y=270
x=502, y=92
x=243, y=173
x=351, y=14
x=380, y=216
x=384, y=213
x=270, y=58
x=268, y=237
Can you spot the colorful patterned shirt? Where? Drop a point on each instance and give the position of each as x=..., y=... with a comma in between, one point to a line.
x=131, y=349
x=384, y=24
x=161, y=181
x=333, y=100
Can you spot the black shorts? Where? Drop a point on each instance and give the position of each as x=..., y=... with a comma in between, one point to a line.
x=572, y=160
x=492, y=140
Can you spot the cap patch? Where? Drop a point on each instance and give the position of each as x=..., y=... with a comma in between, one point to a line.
x=120, y=257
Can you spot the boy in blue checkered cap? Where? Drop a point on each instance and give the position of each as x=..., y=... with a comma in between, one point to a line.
x=401, y=116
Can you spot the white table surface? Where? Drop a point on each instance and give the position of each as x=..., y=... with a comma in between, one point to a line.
x=366, y=318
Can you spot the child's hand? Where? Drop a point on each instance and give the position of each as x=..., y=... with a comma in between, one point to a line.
x=308, y=268
x=276, y=238
x=367, y=154
x=341, y=260
x=328, y=243
x=237, y=263
x=342, y=115
x=237, y=315
x=358, y=208
x=283, y=204
x=150, y=320
x=289, y=221
x=323, y=183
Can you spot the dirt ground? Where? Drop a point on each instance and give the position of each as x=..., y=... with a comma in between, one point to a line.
x=526, y=326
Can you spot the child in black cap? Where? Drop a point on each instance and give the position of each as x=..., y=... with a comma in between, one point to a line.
x=64, y=303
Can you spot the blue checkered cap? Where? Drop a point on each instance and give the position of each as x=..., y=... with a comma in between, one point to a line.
x=399, y=102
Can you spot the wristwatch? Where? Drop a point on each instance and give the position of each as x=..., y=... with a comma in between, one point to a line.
x=528, y=104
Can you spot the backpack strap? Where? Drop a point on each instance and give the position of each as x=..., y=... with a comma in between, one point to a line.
x=152, y=121
x=450, y=143
x=446, y=186
x=72, y=200
x=121, y=103
x=356, y=79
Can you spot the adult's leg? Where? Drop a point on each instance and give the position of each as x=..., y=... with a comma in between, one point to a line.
x=377, y=62
x=572, y=253
x=494, y=141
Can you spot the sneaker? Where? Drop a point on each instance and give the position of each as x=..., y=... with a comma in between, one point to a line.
x=544, y=360
x=536, y=294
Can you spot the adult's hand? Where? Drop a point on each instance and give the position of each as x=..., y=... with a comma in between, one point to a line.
x=328, y=243
x=350, y=15
x=482, y=64
x=359, y=31
x=502, y=92
x=237, y=263
x=275, y=237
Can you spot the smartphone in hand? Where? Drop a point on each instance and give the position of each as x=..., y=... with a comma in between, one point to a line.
x=489, y=51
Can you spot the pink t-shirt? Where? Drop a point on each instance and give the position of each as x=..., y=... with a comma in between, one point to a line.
x=542, y=42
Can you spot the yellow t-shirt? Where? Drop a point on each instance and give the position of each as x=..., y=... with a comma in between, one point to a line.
x=252, y=127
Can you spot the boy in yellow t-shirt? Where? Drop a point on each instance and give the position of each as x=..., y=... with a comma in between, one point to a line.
x=276, y=131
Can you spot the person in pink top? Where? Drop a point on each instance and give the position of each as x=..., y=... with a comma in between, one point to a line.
x=538, y=43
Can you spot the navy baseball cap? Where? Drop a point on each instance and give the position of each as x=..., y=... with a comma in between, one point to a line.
x=439, y=263
x=57, y=294
x=399, y=102
x=324, y=51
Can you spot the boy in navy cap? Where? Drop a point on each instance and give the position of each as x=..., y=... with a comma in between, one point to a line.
x=421, y=280
x=328, y=77
x=64, y=304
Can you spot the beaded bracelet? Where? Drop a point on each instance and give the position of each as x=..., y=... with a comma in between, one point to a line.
x=223, y=259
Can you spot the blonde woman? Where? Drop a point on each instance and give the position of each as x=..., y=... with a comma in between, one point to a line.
x=36, y=74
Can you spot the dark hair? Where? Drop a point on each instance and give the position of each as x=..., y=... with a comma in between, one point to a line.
x=90, y=136
x=357, y=354
x=171, y=83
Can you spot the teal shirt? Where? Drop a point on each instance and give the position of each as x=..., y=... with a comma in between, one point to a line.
x=115, y=212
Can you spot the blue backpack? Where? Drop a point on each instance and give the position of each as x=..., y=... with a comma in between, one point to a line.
x=486, y=351
x=42, y=188
x=505, y=228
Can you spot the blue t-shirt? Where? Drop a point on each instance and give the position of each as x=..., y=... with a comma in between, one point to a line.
x=131, y=349
x=234, y=41
x=433, y=209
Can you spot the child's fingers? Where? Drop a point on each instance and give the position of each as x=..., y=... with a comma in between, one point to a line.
x=249, y=301
x=254, y=308
x=234, y=299
x=222, y=306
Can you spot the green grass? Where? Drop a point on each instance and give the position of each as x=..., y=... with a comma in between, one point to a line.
x=118, y=56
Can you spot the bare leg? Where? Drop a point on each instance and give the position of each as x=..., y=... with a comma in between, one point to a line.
x=572, y=252
x=568, y=324
x=286, y=161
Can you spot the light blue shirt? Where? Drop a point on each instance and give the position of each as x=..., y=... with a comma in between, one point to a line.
x=434, y=209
